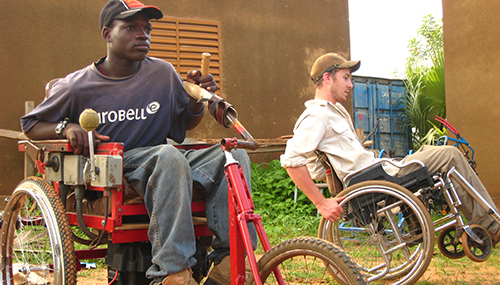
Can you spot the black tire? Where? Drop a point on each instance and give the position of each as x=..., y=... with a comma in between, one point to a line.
x=475, y=251
x=449, y=244
x=36, y=237
x=302, y=261
x=365, y=231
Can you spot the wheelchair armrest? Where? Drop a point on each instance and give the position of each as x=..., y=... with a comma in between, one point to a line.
x=33, y=147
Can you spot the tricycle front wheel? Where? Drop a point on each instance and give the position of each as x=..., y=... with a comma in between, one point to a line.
x=309, y=260
x=36, y=238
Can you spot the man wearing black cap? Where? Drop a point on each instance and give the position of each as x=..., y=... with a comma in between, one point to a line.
x=141, y=102
x=326, y=125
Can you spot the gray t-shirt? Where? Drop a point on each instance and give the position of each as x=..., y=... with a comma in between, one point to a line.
x=141, y=110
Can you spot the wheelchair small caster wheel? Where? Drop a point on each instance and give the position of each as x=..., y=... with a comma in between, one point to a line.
x=475, y=251
x=450, y=244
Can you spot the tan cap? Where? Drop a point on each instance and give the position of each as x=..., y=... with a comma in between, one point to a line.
x=329, y=62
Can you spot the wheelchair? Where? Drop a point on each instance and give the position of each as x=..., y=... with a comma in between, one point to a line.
x=387, y=227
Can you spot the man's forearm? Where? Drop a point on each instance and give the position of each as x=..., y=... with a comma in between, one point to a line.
x=194, y=108
x=303, y=180
x=42, y=131
x=329, y=208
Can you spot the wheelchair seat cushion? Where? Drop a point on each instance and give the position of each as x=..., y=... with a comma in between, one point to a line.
x=412, y=181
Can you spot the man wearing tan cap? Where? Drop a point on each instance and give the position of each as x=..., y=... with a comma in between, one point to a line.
x=326, y=125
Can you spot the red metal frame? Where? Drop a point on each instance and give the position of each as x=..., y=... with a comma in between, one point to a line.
x=241, y=209
x=114, y=224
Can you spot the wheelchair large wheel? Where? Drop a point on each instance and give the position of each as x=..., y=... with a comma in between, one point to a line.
x=305, y=261
x=36, y=238
x=386, y=230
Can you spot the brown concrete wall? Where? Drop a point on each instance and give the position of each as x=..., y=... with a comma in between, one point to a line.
x=39, y=41
x=267, y=50
x=472, y=57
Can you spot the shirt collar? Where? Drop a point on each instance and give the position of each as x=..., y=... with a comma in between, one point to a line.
x=324, y=103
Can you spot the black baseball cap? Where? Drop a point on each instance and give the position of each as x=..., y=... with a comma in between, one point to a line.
x=122, y=9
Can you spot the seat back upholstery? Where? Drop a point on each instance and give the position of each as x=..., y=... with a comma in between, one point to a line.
x=332, y=180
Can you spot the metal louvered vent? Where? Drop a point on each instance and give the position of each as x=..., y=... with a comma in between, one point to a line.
x=182, y=41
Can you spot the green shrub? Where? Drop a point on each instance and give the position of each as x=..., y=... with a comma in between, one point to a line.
x=273, y=196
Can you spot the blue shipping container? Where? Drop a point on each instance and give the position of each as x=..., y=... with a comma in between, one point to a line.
x=378, y=105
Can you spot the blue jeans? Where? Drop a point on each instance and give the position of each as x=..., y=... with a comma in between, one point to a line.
x=164, y=176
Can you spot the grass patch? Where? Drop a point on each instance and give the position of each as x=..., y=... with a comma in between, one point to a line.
x=98, y=262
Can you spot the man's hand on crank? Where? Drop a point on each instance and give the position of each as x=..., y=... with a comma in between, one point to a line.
x=205, y=81
x=79, y=139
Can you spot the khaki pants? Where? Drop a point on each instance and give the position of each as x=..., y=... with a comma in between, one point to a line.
x=443, y=158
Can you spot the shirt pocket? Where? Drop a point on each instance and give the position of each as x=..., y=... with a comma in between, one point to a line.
x=343, y=136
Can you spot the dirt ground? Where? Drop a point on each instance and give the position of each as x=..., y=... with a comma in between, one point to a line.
x=440, y=271
x=462, y=271
x=93, y=276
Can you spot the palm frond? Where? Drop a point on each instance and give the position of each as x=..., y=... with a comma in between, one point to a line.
x=424, y=72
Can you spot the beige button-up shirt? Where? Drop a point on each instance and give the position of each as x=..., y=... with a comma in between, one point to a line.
x=329, y=128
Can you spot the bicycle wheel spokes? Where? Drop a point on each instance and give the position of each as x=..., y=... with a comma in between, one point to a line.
x=31, y=249
x=372, y=244
x=309, y=261
x=303, y=269
x=36, y=238
x=386, y=230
